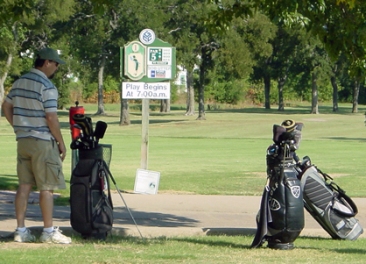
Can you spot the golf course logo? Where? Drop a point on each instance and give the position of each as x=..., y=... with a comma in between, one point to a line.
x=147, y=36
x=295, y=190
x=274, y=205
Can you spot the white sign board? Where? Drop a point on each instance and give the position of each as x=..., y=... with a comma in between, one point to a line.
x=141, y=90
x=159, y=62
x=147, y=182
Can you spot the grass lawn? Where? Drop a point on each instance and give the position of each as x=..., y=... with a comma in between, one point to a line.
x=222, y=155
x=209, y=249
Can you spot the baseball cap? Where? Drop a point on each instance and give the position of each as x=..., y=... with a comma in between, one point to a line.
x=50, y=54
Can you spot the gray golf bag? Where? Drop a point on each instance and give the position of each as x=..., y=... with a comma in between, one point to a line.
x=328, y=203
x=281, y=216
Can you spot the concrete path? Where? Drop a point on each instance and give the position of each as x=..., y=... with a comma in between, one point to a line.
x=165, y=215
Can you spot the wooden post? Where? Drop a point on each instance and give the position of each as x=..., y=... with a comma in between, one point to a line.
x=145, y=134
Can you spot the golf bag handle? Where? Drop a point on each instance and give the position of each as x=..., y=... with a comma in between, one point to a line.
x=341, y=192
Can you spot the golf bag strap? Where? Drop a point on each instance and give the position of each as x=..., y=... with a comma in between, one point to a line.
x=103, y=166
x=339, y=190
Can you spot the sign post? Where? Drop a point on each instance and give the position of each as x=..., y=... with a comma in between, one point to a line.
x=150, y=63
x=145, y=134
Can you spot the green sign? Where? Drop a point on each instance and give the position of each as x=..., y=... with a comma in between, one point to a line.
x=135, y=60
x=153, y=62
x=155, y=55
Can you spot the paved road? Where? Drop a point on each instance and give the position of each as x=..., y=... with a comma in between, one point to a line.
x=166, y=215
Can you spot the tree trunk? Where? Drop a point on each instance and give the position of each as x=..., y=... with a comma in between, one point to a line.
x=3, y=78
x=164, y=106
x=281, y=84
x=168, y=105
x=335, y=93
x=100, y=87
x=7, y=65
x=201, y=94
x=356, y=91
x=333, y=81
x=267, y=90
x=125, y=116
x=190, y=94
x=314, y=94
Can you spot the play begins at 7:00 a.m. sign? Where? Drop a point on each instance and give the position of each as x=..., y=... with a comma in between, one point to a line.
x=141, y=90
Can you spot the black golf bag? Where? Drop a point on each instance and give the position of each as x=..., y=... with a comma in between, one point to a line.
x=328, y=203
x=281, y=216
x=90, y=197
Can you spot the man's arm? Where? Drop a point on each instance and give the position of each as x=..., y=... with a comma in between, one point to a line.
x=54, y=125
x=8, y=111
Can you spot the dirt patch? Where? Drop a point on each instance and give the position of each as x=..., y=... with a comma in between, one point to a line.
x=175, y=192
x=315, y=120
x=338, y=175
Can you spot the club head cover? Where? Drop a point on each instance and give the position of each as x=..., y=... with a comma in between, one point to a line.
x=100, y=129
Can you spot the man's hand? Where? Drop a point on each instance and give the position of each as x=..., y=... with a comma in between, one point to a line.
x=62, y=150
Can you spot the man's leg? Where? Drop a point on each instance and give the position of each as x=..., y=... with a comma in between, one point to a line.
x=50, y=233
x=21, y=203
x=46, y=204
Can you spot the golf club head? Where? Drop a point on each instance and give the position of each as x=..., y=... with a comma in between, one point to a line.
x=100, y=129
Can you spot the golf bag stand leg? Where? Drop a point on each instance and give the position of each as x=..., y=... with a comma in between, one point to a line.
x=120, y=194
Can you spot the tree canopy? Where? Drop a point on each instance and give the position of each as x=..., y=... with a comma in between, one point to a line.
x=232, y=50
x=339, y=24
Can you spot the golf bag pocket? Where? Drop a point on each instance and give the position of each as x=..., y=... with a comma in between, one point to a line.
x=103, y=215
x=286, y=208
x=329, y=205
x=80, y=215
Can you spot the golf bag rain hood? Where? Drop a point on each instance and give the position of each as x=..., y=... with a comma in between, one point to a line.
x=280, y=219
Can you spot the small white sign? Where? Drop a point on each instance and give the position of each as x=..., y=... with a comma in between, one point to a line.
x=147, y=182
x=141, y=90
x=155, y=72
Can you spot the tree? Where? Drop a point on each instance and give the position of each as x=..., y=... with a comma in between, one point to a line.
x=94, y=32
x=238, y=52
x=336, y=70
x=339, y=25
x=195, y=46
x=25, y=27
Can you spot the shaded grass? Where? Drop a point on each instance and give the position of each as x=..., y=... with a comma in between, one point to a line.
x=205, y=249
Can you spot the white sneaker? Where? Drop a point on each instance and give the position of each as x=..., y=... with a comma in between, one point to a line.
x=25, y=236
x=55, y=237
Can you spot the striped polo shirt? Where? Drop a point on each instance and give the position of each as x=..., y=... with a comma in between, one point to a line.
x=32, y=96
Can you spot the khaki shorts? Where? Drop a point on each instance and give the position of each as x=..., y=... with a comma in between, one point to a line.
x=39, y=164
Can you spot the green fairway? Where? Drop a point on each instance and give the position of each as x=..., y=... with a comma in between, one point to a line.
x=224, y=154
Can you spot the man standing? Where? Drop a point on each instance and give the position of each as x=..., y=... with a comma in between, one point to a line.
x=31, y=109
